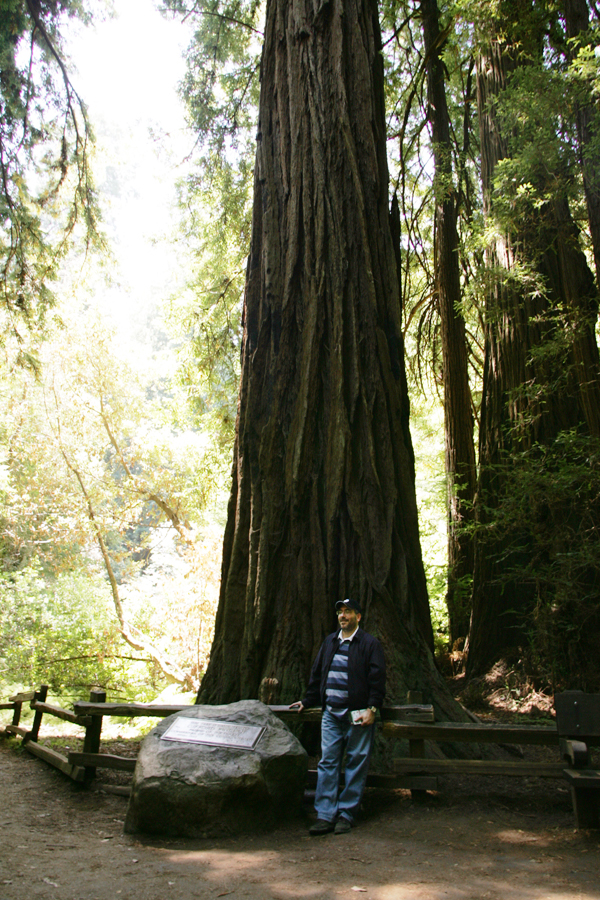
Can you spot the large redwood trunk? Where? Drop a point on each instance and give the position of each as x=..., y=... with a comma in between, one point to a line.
x=323, y=498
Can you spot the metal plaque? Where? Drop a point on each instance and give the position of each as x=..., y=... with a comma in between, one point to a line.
x=217, y=734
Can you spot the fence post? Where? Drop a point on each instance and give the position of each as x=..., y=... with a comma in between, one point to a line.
x=17, y=713
x=268, y=691
x=416, y=747
x=40, y=696
x=91, y=742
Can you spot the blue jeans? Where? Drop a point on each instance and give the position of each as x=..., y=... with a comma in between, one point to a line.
x=336, y=735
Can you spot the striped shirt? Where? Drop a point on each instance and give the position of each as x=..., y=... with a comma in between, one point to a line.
x=336, y=691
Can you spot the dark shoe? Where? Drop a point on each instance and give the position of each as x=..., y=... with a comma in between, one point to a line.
x=342, y=826
x=321, y=826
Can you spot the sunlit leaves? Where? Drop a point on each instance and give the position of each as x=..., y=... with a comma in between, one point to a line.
x=221, y=84
x=221, y=93
x=61, y=632
x=46, y=189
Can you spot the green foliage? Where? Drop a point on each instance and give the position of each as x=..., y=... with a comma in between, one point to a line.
x=537, y=113
x=220, y=88
x=36, y=520
x=95, y=452
x=547, y=524
x=410, y=158
x=46, y=189
x=208, y=313
x=584, y=69
x=221, y=95
x=428, y=442
x=62, y=632
x=548, y=80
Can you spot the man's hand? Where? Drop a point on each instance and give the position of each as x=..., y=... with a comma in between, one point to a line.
x=297, y=705
x=367, y=718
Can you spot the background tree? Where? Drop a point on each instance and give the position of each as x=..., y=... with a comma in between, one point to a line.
x=97, y=477
x=46, y=189
x=509, y=255
x=579, y=44
x=220, y=90
x=458, y=417
x=538, y=304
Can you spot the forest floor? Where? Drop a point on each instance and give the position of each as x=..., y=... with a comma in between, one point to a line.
x=476, y=838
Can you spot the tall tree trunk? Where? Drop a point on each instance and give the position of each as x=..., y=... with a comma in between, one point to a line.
x=577, y=21
x=586, y=348
x=526, y=400
x=458, y=419
x=323, y=497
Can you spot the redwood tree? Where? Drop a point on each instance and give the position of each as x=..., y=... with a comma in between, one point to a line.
x=539, y=370
x=323, y=498
x=577, y=22
x=458, y=419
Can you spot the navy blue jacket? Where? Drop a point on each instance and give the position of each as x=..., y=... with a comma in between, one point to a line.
x=366, y=672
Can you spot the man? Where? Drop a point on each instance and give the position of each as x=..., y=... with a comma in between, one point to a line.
x=348, y=682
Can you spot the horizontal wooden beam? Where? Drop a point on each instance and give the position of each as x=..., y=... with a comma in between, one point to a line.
x=127, y=710
x=389, y=782
x=445, y=732
x=55, y=759
x=121, y=790
x=288, y=715
x=22, y=698
x=478, y=767
x=60, y=713
x=7, y=705
x=102, y=761
x=583, y=778
x=17, y=729
x=411, y=712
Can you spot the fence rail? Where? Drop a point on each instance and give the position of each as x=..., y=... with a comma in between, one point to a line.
x=413, y=722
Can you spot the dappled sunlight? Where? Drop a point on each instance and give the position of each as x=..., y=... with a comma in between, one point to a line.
x=474, y=890
x=282, y=890
x=450, y=852
x=268, y=874
x=518, y=836
x=225, y=861
x=294, y=875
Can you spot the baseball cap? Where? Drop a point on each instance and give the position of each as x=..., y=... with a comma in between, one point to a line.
x=349, y=604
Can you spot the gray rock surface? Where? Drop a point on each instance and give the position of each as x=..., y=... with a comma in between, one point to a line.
x=197, y=790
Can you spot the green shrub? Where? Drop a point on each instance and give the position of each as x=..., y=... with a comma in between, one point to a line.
x=551, y=508
x=63, y=632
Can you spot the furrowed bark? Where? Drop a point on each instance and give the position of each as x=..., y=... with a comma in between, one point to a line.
x=323, y=500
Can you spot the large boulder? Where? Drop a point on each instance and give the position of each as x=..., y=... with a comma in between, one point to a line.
x=198, y=790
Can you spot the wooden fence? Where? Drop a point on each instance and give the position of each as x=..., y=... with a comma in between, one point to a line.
x=413, y=723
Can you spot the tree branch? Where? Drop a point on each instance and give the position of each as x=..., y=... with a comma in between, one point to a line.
x=132, y=635
x=142, y=488
x=69, y=89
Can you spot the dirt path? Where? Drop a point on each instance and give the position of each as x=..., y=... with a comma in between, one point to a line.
x=474, y=841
